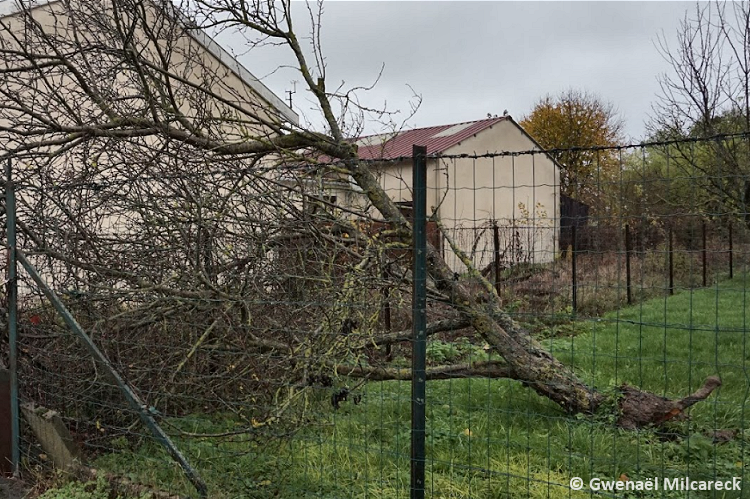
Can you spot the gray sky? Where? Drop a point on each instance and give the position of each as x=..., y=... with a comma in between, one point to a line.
x=468, y=59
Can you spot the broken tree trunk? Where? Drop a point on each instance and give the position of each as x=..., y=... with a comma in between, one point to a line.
x=639, y=408
x=525, y=359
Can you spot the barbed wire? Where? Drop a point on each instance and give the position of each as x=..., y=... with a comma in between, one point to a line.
x=301, y=168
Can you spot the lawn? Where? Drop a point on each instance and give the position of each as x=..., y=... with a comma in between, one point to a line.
x=495, y=438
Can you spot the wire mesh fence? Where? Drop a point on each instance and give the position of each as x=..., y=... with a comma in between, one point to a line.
x=577, y=325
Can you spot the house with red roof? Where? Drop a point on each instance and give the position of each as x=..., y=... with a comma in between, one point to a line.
x=471, y=190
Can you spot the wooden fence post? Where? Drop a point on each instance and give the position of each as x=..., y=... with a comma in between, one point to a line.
x=704, y=256
x=731, y=253
x=627, y=263
x=573, y=253
x=671, y=263
x=496, y=248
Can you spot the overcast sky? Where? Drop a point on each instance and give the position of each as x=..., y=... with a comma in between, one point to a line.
x=468, y=59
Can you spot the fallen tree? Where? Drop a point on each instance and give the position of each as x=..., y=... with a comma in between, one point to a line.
x=153, y=180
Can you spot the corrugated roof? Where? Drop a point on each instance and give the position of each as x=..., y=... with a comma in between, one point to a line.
x=436, y=138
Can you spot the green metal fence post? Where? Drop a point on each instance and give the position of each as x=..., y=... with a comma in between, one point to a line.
x=10, y=209
x=419, y=313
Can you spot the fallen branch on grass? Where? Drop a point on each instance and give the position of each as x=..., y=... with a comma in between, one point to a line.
x=485, y=369
x=431, y=329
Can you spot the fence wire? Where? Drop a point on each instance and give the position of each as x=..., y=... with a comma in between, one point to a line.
x=264, y=316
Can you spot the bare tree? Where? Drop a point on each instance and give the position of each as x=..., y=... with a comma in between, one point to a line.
x=153, y=179
x=707, y=94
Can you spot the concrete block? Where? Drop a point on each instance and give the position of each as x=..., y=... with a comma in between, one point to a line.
x=53, y=436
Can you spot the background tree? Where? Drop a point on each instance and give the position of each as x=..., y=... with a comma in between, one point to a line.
x=576, y=119
x=707, y=94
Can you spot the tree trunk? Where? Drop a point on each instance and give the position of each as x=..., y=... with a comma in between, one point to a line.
x=525, y=360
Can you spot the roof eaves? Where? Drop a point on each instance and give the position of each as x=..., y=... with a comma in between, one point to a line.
x=532, y=139
x=237, y=68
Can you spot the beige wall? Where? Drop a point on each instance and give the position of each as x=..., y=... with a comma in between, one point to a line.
x=189, y=60
x=237, y=113
x=192, y=58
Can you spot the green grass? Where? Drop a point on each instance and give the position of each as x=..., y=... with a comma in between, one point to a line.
x=497, y=439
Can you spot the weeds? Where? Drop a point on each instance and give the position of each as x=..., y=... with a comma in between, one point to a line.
x=98, y=489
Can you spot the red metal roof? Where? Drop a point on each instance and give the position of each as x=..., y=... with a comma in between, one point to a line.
x=436, y=138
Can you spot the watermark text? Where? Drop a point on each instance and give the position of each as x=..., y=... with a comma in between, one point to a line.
x=666, y=484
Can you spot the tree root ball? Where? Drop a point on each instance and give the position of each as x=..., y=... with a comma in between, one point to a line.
x=639, y=409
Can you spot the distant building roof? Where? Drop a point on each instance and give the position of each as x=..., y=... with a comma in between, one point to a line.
x=436, y=138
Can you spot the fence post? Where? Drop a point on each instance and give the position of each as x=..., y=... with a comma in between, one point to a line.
x=573, y=252
x=703, y=255
x=386, y=311
x=10, y=209
x=496, y=248
x=419, y=322
x=671, y=263
x=627, y=263
x=731, y=253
